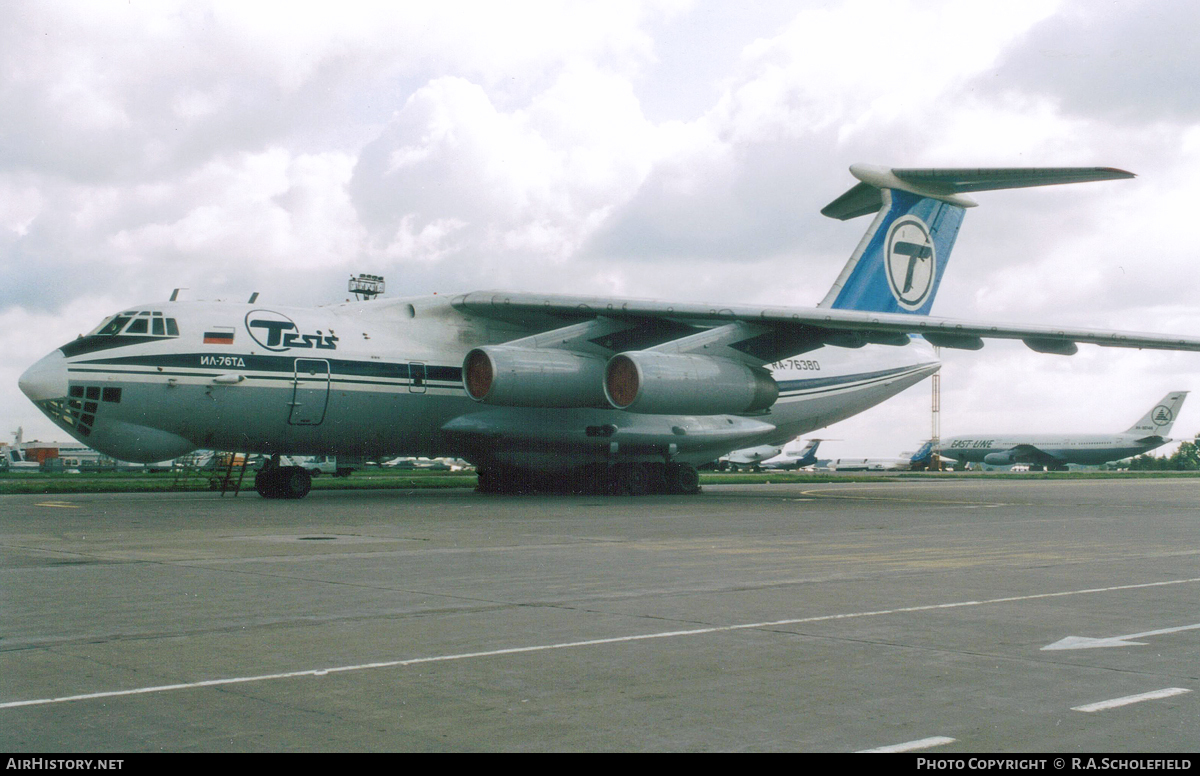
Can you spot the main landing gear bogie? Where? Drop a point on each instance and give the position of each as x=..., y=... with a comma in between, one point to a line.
x=625, y=479
x=290, y=482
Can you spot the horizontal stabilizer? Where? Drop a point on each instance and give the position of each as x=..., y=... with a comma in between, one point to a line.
x=861, y=200
x=954, y=181
x=950, y=184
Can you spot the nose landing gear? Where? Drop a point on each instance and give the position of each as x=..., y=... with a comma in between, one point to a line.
x=291, y=482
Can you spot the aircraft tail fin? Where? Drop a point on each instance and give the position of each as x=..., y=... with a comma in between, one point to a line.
x=924, y=455
x=1158, y=421
x=899, y=262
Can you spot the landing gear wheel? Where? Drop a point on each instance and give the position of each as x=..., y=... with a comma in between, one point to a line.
x=682, y=478
x=295, y=483
x=629, y=479
x=266, y=482
x=290, y=482
x=504, y=479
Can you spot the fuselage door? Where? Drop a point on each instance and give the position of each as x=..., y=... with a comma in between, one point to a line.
x=416, y=377
x=310, y=392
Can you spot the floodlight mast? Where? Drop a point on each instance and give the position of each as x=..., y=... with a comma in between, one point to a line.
x=366, y=287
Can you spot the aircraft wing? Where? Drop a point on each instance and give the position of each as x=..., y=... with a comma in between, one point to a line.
x=766, y=334
x=1026, y=453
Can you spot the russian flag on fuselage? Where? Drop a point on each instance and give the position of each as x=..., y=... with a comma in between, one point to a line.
x=218, y=335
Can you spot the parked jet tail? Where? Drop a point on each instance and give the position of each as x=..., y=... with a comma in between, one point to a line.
x=924, y=455
x=899, y=262
x=1158, y=421
x=808, y=456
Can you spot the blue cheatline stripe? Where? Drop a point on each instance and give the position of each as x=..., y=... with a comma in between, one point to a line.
x=282, y=378
x=788, y=386
x=284, y=364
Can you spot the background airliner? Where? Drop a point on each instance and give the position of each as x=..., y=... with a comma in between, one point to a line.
x=579, y=392
x=750, y=457
x=917, y=460
x=768, y=457
x=806, y=456
x=1055, y=451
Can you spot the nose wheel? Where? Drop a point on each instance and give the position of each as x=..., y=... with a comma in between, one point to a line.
x=290, y=482
x=681, y=478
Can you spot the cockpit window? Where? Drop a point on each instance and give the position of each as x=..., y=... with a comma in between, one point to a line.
x=112, y=325
x=138, y=323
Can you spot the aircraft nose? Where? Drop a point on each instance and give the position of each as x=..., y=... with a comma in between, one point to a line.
x=47, y=379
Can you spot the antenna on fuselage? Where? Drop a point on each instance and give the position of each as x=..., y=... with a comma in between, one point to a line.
x=175, y=293
x=366, y=287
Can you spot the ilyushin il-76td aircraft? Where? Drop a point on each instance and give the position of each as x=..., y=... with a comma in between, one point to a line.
x=582, y=392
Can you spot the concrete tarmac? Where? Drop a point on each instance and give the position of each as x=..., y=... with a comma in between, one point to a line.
x=832, y=617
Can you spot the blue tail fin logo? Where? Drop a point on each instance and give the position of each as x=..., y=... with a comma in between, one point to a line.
x=899, y=262
x=911, y=259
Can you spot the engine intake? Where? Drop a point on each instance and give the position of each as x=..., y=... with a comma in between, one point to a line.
x=684, y=384
x=531, y=377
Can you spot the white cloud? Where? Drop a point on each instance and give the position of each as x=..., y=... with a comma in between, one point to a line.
x=528, y=184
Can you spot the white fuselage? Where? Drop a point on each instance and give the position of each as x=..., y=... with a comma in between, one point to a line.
x=384, y=378
x=870, y=464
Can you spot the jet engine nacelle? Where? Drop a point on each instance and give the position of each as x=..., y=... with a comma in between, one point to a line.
x=684, y=384
x=532, y=377
x=1000, y=459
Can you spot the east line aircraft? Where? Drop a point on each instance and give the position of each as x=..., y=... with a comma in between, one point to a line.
x=576, y=392
x=1055, y=451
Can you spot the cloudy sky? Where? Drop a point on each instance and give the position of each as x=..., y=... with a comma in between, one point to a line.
x=655, y=149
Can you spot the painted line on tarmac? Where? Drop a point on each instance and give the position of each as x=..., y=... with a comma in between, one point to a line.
x=1128, y=699
x=851, y=496
x=909, y=746
x=575, y=644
